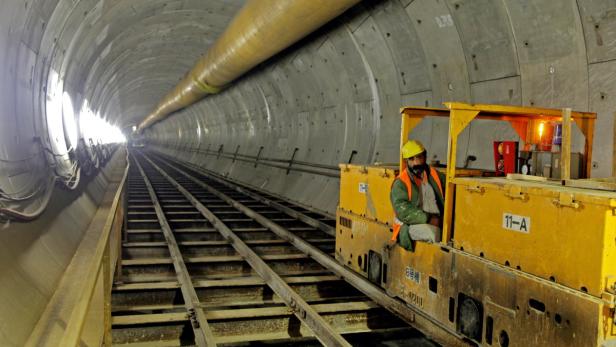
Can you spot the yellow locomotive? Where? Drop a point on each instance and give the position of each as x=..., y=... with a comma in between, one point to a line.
x=551, y=283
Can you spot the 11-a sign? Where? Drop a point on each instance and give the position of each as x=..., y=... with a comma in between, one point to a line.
x=516, y=223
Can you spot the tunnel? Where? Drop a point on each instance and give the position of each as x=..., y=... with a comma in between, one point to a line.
x=315, y=85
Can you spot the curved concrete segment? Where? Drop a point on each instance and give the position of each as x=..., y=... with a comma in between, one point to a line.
x=332, y=98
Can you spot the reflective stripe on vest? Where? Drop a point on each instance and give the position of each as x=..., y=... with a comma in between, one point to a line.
x=406, y=179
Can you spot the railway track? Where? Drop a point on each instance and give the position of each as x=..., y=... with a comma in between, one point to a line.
x=205, y=261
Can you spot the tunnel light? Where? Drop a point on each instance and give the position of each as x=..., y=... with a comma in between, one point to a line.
x=86, y=121
x=134, y=128
x=541, y=129
x=53, y=110
x=68, y=117
x=97, y=129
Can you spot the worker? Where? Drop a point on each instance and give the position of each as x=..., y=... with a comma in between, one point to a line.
x=417, y=197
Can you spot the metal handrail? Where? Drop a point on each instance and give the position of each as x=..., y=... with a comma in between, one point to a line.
x=261, y=158
x=335, y=170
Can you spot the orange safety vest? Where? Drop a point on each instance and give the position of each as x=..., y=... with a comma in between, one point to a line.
x=406, y=179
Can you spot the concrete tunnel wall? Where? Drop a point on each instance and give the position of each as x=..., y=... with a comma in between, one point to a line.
x=336, y=92
x=340, y=90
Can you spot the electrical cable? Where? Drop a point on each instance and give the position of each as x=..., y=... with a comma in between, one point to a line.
x=2, y=160
x=25, y=193
x=32, y=215
x=74, y=177
x=9, y=197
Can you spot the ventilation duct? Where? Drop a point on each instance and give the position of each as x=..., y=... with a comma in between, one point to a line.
x=261, y=29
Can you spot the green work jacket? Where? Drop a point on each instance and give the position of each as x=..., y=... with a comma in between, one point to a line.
x=409, y=212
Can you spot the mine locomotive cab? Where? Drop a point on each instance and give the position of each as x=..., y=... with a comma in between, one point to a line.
x=523, y=260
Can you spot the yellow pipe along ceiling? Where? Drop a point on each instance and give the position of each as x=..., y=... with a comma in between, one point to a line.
x=261, y=29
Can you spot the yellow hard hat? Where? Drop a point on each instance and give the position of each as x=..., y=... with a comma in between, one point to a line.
x=412, y=148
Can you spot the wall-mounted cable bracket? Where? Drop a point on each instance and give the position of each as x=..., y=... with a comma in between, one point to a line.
x=291, y=161
x=235, y=154
x=258, y=156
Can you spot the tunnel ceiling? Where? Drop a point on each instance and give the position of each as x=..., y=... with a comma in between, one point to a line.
x=145, y=48
x=122, y=56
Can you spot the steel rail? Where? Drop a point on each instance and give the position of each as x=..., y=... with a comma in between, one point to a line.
x=324, y=332
x=328, y=229
x=199, y=324
x=411, y=315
